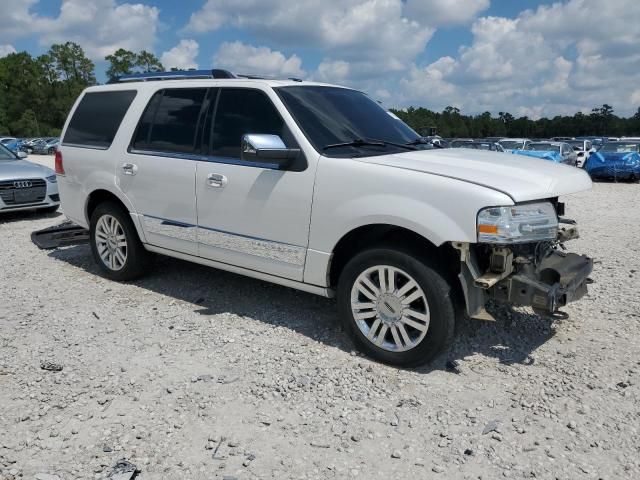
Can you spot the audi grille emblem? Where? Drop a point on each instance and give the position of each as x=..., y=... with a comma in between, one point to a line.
x=23, y=184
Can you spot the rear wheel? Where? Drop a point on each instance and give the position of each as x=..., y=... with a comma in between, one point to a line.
x=115, y=244
x=396, y=307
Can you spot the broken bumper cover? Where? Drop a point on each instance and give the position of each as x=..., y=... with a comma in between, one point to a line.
x=558, y=279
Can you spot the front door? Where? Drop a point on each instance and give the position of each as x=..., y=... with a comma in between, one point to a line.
x=249, y=214
x=158, y=172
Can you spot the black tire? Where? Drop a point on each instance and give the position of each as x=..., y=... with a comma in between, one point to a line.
x=438, y=294
x=137, y=258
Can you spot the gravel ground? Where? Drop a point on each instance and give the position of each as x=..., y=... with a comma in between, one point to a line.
x=194, y=373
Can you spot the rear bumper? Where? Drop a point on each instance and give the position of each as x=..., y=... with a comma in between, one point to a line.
x=560, y=278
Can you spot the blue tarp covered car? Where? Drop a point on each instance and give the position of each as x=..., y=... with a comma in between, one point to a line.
x=558, y=152
x=544, y=154
x=617, y=160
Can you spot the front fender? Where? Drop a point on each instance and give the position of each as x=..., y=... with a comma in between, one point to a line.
x=351, y=194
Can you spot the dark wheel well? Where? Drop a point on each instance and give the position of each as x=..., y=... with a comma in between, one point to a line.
x=100, y=196
x=444, y=256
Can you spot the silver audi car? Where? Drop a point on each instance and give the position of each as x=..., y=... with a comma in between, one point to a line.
x=25, y=185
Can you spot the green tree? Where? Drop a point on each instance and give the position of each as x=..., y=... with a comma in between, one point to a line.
x=27, y=125
x=121, y=62
x=71, y=63
x=148, y=62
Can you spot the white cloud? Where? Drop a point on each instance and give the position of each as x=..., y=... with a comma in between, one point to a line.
x=558, y=59
x=6, y=50
x=374, y=36
x=99, y=26
x=181, y=56
x=437, y=13
x=241, y=58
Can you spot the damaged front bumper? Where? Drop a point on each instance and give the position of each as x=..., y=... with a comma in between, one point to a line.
x=546, y=279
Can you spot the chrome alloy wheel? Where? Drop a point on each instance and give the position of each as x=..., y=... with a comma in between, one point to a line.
x=390, y=308
x=111, y=242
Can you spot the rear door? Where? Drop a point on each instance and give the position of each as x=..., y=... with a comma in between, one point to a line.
x=249, y=214
x=158, y=171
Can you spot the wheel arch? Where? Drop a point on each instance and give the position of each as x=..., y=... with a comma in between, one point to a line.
x=101, y=195
x=389, y=235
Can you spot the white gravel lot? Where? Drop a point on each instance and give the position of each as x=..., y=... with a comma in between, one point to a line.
x=194, y=373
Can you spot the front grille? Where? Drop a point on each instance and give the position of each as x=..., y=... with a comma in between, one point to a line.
x=23, y=191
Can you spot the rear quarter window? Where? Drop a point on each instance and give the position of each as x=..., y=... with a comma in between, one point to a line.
x=97, y=118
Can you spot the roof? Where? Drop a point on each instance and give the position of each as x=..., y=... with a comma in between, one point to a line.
x=199, y=78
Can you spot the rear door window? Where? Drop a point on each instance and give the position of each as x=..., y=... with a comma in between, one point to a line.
x=97, y=118
x=170, y=121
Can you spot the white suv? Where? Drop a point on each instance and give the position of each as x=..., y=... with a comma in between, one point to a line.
x=316, y=187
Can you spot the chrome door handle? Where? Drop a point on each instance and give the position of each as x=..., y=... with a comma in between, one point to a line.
x=129, y=168
x=216, y=180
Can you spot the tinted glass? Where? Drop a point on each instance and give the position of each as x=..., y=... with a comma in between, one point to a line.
x=620, y=147
x=96, y=120
x=170, y=121
x=241, y=111
x=5, y=153
x=511, y=145
x=543, y=147
x=330, y=115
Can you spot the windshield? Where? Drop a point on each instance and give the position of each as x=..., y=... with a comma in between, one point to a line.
x=620, y=147
x=6, y=154
x=333, y=115
x=543, y=147
x=511, y=144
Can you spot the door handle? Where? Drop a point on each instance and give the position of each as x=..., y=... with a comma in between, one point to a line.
x=129, y=168
x=216, y=180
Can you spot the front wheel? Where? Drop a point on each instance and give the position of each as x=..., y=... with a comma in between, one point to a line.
x=396, y=307
x=115, y=245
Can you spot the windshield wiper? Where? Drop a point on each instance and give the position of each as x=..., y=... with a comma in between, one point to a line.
x=423, y=141
x=361, y=142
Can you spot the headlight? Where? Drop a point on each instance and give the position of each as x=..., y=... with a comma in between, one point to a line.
x=52, y=179
x=530, y=222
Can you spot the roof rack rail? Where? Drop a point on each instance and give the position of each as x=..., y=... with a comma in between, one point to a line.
x=175, y=75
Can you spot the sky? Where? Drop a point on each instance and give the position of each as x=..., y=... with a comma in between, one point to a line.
x=528, y=57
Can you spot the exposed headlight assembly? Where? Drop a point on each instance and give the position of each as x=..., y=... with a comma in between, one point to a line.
x=52, y=179
x=529, y=222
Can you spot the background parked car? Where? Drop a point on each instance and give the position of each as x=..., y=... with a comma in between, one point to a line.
x=615, y=160
x=46, y=146
x=25, y=185
x=583, y=149
x=559, y=152
x=514, y=143
x=478, y=144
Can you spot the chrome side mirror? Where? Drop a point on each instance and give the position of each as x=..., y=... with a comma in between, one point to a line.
x=259, y=147
x=22, y=154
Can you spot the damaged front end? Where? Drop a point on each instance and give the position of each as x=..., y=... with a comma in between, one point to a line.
x=538, y=274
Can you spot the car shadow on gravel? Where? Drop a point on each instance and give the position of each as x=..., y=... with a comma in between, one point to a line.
x=11, y=217
x=511, y=339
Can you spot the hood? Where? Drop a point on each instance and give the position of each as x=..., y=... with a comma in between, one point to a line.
x=550, y=155
x=14, y=169
x=522, y=179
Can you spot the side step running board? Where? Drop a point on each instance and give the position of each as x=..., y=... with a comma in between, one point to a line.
x=67, y=233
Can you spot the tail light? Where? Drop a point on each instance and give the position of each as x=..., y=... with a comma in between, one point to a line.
x=59, y=166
